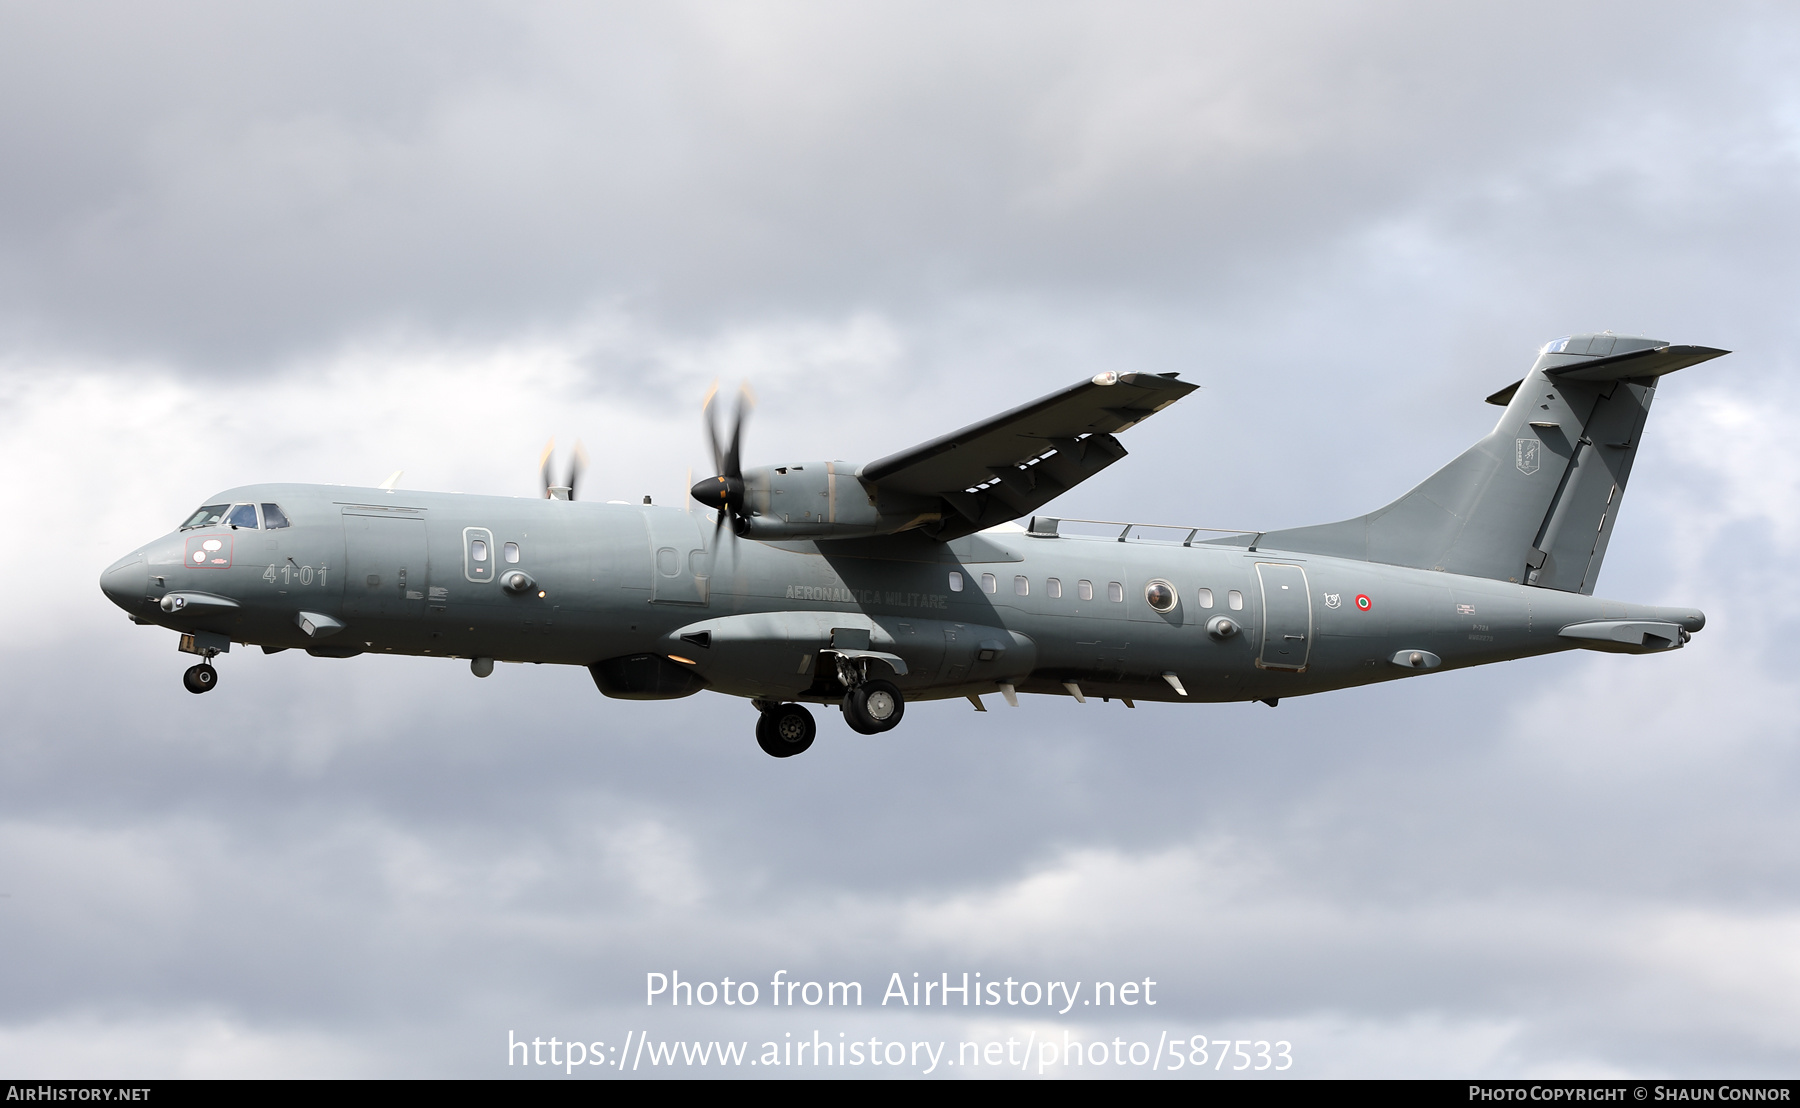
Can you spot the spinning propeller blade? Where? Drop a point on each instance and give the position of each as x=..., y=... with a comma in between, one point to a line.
x=578, y=461
x=725, y=492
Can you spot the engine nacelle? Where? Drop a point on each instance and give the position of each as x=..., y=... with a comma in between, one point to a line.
x=826, y=500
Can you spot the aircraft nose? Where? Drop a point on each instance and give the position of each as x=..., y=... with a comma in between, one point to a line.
x=124, y=582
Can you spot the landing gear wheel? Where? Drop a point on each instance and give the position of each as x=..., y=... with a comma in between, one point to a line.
x=785, y=730
x=855, y=721
x=873, y=707
x=200, y=678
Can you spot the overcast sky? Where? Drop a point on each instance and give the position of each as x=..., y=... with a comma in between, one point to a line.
x=319, y=242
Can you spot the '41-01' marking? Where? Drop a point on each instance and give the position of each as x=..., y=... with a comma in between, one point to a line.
x=287, y=574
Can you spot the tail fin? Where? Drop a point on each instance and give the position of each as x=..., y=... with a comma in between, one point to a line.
x=1534, y=501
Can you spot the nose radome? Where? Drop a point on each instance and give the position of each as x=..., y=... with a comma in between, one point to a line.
x=124, y=581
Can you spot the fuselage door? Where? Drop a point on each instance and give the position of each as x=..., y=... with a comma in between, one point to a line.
x=680, y=569
x=1287, y=616
x=387, y=573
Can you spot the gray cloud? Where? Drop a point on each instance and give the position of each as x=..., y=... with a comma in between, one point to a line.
x=227, y=186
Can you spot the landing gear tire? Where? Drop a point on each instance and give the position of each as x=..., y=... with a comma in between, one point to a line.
x=873, y=707
x=855, y=722
x=200, y=678
x=785, y=730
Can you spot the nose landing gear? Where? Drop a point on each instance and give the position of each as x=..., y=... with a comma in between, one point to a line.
x=784, y=730
x=208, y=645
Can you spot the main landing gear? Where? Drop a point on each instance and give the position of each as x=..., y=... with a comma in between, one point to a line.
x=784, y=730
x=873, y=707
x=870, y=707
x=200, y=678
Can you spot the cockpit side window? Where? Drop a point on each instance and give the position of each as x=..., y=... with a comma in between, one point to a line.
x=273, y=517
x=207, y=516
x=243, y=515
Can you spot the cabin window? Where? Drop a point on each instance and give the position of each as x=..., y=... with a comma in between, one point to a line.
x=668, y=563
x=1235, y=600
x=243, y=515
x=989, y=583
x=955, y=581
x=1053, y=587
x=1022, y=585
x=1084, y=590
x=1160, y=595
x=478, y=550
x=1206, y=600
x=274, y=518
x=1115, y=592
x=209, y=516
x=510, y=552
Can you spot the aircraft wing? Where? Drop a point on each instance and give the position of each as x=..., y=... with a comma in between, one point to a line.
x=1016, y=462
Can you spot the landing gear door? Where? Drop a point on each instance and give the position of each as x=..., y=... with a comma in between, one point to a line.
x=680, y=565
x=1287, y=617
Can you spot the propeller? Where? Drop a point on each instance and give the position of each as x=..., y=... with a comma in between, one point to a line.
x=725, y=491
x=577, y=465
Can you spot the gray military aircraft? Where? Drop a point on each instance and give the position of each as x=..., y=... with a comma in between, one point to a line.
x=828, y=582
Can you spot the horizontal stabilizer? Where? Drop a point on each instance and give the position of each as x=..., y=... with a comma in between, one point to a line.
x=1653, y=361
x=1635, y=363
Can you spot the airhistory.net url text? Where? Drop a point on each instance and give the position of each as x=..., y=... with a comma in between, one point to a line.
x=1171, y=1053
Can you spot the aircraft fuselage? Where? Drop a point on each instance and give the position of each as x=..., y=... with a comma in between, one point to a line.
x=640, y=587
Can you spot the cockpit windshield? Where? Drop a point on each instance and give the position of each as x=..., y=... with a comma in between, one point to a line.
x=208, y=516
x=237, y=515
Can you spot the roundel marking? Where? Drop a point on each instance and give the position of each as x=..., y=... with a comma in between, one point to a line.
x=1362, y=602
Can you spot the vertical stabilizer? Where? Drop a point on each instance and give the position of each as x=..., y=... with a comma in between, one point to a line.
x=1534, y=501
